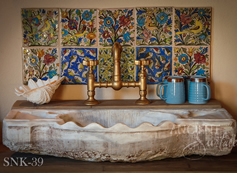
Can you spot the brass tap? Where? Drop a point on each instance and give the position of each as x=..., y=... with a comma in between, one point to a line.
x=116, y=83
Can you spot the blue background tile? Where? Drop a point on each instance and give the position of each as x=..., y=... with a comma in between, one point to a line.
x=72, y=67
x=161, y=62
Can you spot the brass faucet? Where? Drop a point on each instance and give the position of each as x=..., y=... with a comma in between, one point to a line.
x=116, y=83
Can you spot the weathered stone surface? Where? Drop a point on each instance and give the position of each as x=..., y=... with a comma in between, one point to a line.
x=128, y=135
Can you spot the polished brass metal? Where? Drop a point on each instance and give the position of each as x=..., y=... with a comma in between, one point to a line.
x=116, y=83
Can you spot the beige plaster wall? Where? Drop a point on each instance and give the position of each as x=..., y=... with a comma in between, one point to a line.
x=223, y=62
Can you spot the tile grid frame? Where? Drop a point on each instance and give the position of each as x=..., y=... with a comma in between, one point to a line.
x=58, y=46
x=174, y=46
x=160, y=46
x=98, y=46
x=61, y=46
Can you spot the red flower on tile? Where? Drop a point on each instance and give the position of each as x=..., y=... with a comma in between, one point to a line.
x=72, y=24
x=49, y=59
x=50, y=36
x=206, y=24
x=50, y=13
x=106, y=34
x=185, y=20
x=90, y=24
x=199, y=58
x=180, y=70
x=31, y=72
x=147, y=35
x=25, y=41
x=166, y=29
x=124, y=21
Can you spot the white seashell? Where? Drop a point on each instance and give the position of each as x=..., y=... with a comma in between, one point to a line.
x=39, y=92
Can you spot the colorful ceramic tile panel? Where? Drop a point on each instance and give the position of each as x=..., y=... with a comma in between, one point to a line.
x=192, y=26
x=126, y=64
x=78, y=27
x=160, y=62
x=154, y=26
x=40, y=27
x=72, y=64
x=116, y=25
x=40, y=64
x=191, y=61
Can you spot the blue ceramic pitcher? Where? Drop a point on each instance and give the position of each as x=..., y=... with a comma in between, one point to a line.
x=175, y=92
x=199, y=90
x=158, y=87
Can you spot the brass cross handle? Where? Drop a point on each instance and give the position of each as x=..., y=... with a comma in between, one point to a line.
x=142, y=62
x=90, y=63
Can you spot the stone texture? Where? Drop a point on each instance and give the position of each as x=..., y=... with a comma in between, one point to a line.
x=128, y=135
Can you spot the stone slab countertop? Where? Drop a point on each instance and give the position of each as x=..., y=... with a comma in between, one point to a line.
x=114, y=104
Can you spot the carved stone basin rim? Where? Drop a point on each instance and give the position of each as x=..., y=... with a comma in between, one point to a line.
x=115, y=120
x=128, y=135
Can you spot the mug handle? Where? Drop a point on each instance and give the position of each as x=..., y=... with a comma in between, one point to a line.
x=162, y=86
x=158, y=88
x=208, y=92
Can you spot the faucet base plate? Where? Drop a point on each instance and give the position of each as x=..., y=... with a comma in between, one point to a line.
x=142, y=102
x=91, y=102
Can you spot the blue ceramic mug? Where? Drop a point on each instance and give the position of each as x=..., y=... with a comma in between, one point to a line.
x=187, y=84
x=158, y=87
x=175, y=92
x=199, y=90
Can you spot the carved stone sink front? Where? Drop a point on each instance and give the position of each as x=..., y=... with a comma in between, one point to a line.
x=115, y=135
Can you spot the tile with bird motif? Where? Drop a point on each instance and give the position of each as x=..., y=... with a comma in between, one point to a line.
x=78, y=27
x=72, y=64
x=192, y=26
x=189, y=61
x=40, y=27
x=160, y=63
x=106, y=64
x=40, y=63
x=116, y=25
x=154, y=26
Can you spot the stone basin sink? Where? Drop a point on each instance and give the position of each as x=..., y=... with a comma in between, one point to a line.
x=116, y=135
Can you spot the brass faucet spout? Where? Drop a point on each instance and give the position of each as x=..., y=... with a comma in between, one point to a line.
x=116, y=50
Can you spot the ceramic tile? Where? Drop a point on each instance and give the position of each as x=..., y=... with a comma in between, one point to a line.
x=191, y=61
x=154, y=26
x=78, y=27
x=126, y=64
x=40, y=63
x=72, y=67
x=116, y=25
x=40, y=27
x=192, y=26
x=160, y=62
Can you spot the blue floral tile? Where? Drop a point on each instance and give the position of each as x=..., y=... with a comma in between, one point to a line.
x=160, y=63
x=191, y=60
x=40, y=27
x=192, y=26
x=40, y=63
x=72, y=64
x=116, y=25
x=154, y=26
